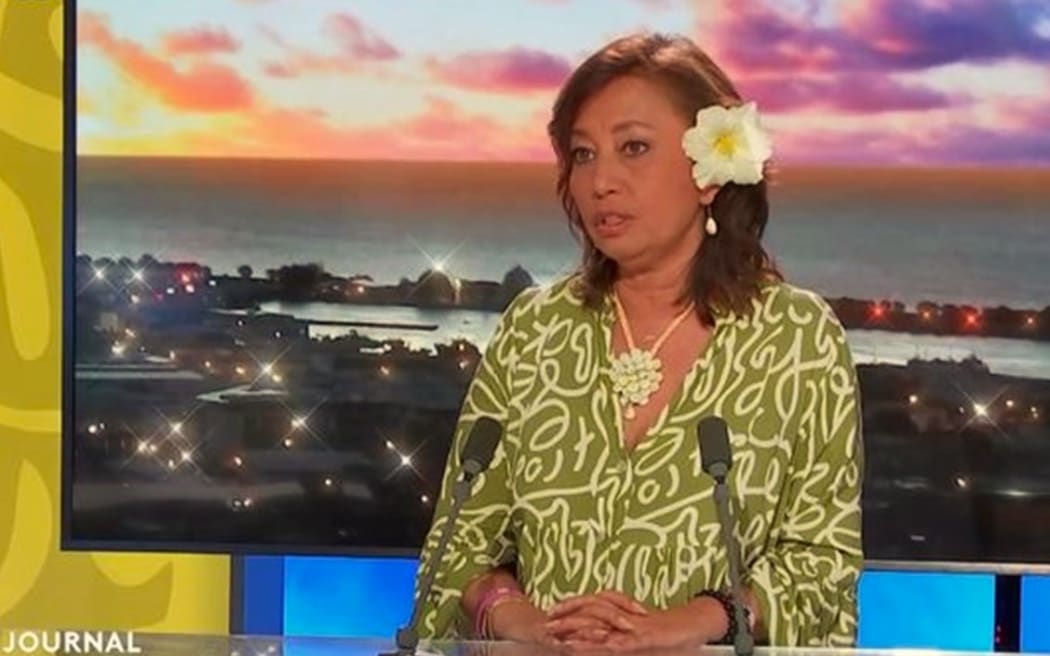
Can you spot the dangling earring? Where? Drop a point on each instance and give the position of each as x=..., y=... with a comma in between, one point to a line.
x=710, y=225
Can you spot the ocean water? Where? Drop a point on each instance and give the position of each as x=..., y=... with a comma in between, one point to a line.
x=882, y=235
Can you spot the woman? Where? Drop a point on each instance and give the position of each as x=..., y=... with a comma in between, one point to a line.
x=594, y=525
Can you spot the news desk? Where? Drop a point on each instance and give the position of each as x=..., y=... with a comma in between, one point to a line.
x=198, y=645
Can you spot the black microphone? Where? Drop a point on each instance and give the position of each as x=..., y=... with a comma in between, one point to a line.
x=475, y=458
x=716, y=458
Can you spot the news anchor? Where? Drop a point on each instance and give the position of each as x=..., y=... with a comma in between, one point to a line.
x=594, y=526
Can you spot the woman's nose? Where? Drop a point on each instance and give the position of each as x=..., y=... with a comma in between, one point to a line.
x=607, y=177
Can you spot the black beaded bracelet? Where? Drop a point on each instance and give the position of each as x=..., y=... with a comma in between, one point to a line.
x=726, y=599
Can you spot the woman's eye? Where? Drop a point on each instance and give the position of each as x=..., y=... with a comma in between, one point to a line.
x=580, y=155
x=635, y=147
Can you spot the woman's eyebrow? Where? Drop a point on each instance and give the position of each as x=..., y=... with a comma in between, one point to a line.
x=619, y=127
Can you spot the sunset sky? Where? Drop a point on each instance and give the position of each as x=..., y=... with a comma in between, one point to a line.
x=933, y=82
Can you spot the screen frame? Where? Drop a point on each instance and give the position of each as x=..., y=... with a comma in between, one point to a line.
x=68, y=542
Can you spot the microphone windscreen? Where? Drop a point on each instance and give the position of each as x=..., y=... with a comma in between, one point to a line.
x=481, y=443
x=713, y=435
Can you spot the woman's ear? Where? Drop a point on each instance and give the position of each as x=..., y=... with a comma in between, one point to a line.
x=707, y=194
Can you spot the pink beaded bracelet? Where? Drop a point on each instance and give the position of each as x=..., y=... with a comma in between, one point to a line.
x=489, y=601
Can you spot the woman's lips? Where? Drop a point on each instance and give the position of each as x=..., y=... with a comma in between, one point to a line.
x=608, y=225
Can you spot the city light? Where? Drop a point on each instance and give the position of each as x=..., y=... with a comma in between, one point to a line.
x=276, y=378
x=1009, y=403
x=171, y=355
x=118, y=349
x=176, y=427
x=980, y=410
x=135, y=299
x=390, y=445
x=913, y=399
x=406, y=460
x=384, y=370
x=137, y=275
x=93, y=429
x=328, y=482
x=424, y=499
x=1029, y=321
x=186, y=456
x=130, y=333
x=277, y=334
x=207, y=364
x=170, y=291
x=240, y=370
x=267, y=369
x=463, y=364
x=171, y=464
x=143, y=446
x=100, y=274
x=298, y=422
x=190, y=289
x=288, y=443
x=237, y=461
x=961, y=482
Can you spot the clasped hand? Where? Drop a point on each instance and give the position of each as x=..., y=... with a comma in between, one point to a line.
x=614, y=621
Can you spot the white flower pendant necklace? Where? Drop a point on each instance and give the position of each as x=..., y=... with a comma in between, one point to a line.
x=635, y=373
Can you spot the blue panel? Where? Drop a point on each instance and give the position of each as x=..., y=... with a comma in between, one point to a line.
x=263, y=602
x=927, y=610
x=1035, y=613
x=347, y=596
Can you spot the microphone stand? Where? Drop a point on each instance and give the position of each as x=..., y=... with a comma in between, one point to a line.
x=407, y=637
x=743, y=641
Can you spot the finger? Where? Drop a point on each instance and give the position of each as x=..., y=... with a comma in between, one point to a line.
x=605, y=613
x=589, y=635
x=570, y=605
x=579, y=646
x=623, y=642
x=569, y=625
x=583, y=604
x=624, y=602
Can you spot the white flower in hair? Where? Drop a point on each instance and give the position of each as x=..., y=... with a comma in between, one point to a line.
x=727, y=144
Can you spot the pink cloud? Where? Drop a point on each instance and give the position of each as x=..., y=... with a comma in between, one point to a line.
x=204, y=86
x=356, y=45
x=515, y=70
x=301, y=62
x=1027, y=115
x=199, y=41
x=857, y=94
x=358, y=41
x=443, y=121
x=849, y=60
x=957, y=144
x=443, y=131
x=874, y=35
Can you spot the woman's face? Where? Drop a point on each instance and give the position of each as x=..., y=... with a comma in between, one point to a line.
x=631, y=179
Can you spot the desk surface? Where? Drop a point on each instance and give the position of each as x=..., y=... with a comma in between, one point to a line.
x=203, y=645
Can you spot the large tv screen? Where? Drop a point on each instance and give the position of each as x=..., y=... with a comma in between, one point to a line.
x=295, y=225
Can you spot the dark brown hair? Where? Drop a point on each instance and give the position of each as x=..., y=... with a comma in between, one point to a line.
x=730, y=268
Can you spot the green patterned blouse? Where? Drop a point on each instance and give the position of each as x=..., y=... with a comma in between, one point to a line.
x=580, y=514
